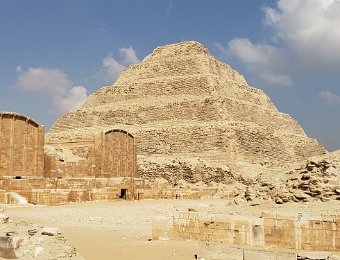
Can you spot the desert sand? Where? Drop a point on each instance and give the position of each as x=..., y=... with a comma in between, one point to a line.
x=110, y=230
x=122, y=229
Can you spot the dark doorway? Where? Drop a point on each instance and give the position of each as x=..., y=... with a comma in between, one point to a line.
x=123, y=193
x=18, y=177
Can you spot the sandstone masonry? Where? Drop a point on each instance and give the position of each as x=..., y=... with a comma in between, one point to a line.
x=180, y=102
x=21, y=146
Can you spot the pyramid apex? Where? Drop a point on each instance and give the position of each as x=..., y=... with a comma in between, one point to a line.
x=181, y=47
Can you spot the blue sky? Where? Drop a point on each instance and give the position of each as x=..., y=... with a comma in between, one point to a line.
x=53, y=54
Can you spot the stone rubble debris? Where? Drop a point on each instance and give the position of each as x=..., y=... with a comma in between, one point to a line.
x=28, y=241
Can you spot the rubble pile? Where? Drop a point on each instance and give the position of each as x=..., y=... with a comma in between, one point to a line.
x=24, y=240
x=318, y=179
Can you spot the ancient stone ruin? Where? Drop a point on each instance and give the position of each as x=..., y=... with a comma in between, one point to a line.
x=183, y=105
x=110, y=153
x=48, y=174
x=21, y=146
x=29, y=241
x=181, y=124
x=179, y=115
x=243, y=236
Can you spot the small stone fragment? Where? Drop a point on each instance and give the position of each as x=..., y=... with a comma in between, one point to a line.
x=50, y=231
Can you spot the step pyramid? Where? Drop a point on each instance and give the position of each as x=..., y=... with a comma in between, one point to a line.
x=186, y=109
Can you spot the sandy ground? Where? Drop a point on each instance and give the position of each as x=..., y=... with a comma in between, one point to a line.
x=110, y=230
x=122, y=229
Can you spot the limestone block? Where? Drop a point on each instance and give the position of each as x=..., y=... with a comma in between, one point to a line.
x=270, y=222
x=315, y=255
x=21, y=146
x=237, y=231
x=50, y=231
x=222, y=256
x=287, y=224
x=251, y=254
x=337, y=243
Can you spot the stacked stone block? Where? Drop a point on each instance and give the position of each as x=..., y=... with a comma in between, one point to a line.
x=109, y=154
x=180, y=101
x=118, y=154
x=218, y=251
x=301, y=232
x=21, y=146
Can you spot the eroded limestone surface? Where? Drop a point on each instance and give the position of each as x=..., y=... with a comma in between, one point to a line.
x=314, y=179
x=181, y=103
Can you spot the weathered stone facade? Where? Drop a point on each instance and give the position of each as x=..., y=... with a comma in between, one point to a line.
x=180, y=102
x=187, y=115
x=52, y=175
x=110, y=153
x=21, y=146
x=271, y=230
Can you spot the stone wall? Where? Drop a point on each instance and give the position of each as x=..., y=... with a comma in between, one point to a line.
x=53, y=174
x=118, y=154
x=21, y=146
x=56, y=191
x=110, y=153
x=219, y=251
x=303, y=232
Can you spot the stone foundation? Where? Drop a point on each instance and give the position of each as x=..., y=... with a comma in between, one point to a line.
x=271, y=230
x=56, y=191
x=219, y=251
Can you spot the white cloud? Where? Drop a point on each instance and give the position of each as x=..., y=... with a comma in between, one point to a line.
x=248, y=52
x=262, y=59
x=128, y=56
x=18, y=68
x=54, y=83
x=330, y=98
x=111, y=68
x=51, y=81
x=311, y=28
x=306, y=38
x=75, y=98
x=252, y=53
x=276, y=79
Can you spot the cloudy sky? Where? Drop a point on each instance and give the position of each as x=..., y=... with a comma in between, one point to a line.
x=53, y=54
